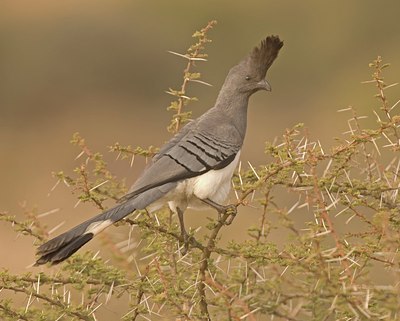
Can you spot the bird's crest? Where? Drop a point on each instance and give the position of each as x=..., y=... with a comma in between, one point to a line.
x=261, y=57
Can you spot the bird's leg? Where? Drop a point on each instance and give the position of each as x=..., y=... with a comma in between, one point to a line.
x=184, y=234
x=222, y=209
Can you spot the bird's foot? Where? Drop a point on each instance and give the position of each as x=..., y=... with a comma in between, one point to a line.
x=184, y=235
x=231, y=210
x=186, y=239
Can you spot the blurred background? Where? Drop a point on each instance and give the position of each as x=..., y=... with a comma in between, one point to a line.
x=101, y=68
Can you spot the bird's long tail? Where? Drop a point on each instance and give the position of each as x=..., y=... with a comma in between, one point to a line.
x=63, y=246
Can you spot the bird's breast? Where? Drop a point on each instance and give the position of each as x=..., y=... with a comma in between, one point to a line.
x=214, y=185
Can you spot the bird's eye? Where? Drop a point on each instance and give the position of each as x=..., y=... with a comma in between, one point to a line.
x=248, y=77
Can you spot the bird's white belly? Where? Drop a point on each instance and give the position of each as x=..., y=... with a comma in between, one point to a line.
x=214, y=185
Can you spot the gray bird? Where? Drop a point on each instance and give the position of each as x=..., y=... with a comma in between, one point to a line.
x=194, y=169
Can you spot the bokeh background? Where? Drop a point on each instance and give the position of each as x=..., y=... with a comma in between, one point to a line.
x=101, y=68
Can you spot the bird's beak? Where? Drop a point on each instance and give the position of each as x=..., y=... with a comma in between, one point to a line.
x=263, y=84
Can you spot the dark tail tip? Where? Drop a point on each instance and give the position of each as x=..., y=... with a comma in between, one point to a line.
x=61, y=253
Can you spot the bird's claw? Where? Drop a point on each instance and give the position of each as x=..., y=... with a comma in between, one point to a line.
x=231, y=210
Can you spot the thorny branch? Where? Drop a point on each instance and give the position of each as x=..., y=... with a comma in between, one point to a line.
x=52, y=302
x=380, y=84
x=194, y=54
x=140, y=293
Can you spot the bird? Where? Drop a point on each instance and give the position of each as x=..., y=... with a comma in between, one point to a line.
x=194, y=168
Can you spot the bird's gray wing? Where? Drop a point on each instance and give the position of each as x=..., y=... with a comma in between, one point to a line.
x=175, y=139
x=194, y=153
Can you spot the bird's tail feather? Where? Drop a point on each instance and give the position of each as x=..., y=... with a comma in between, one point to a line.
x=63, y=246
x=63, y=252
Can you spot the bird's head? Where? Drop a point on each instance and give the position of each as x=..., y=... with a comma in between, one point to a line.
x=248, y=76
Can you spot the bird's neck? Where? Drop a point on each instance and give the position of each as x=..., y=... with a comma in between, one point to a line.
x=234, y=106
